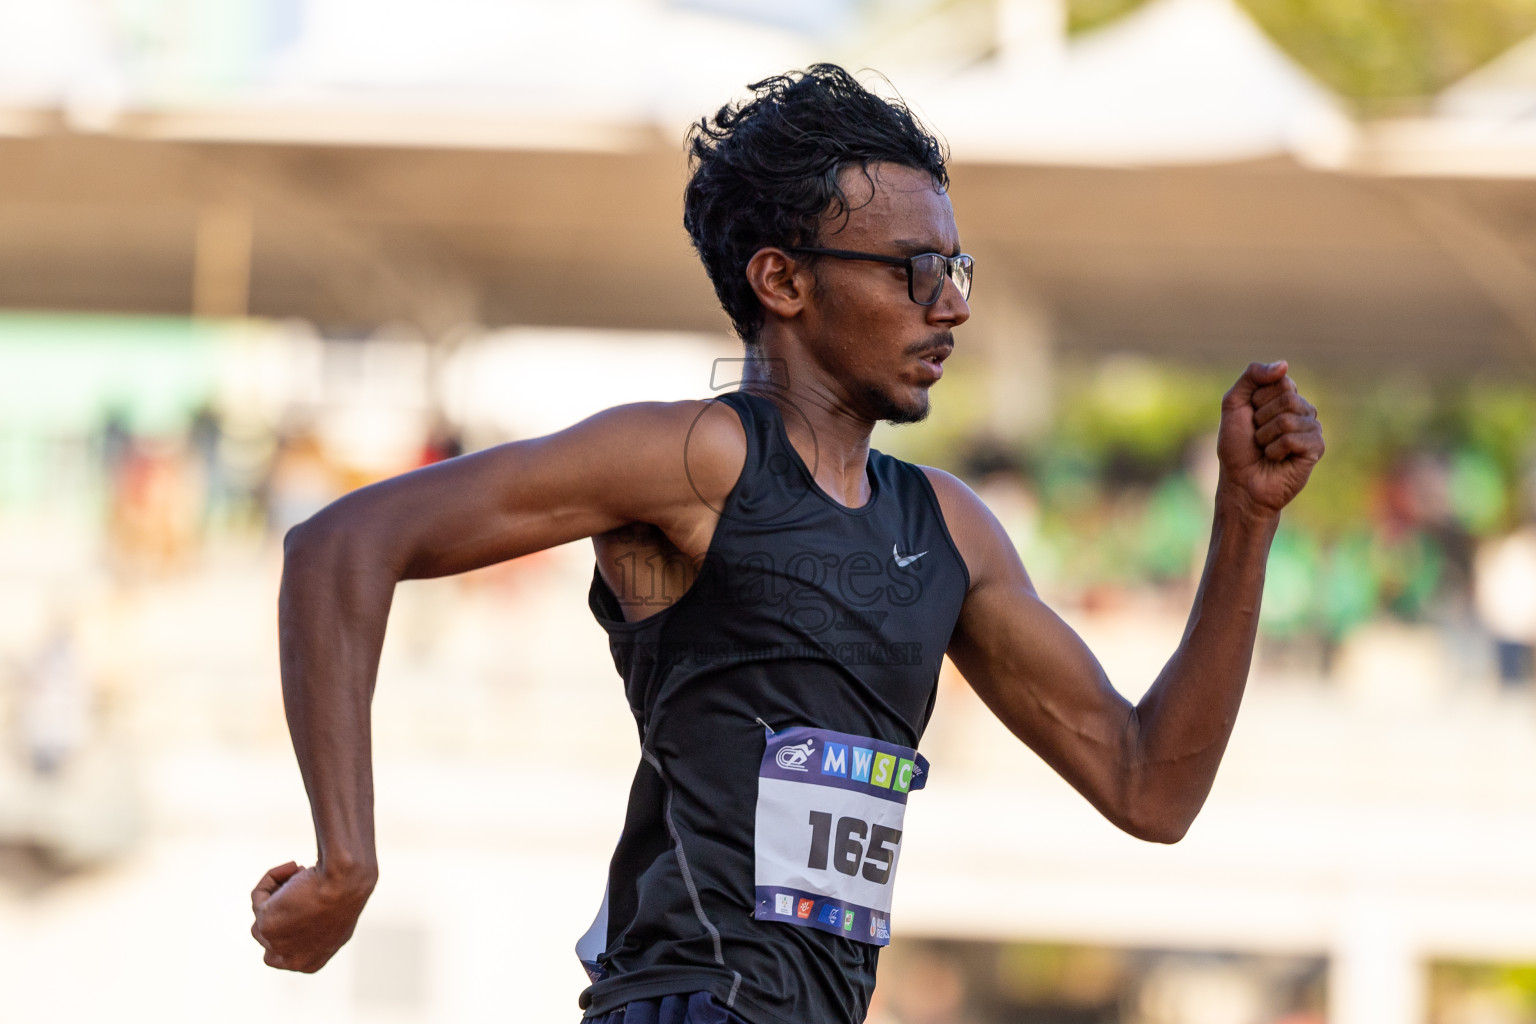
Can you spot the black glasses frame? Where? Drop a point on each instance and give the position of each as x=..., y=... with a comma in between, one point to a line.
x=963, y=260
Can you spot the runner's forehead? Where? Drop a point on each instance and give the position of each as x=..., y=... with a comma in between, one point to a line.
x=894, y=209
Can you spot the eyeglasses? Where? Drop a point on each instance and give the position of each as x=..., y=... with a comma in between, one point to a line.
x=926, y=272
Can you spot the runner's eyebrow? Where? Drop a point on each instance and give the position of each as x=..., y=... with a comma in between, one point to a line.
x=914, y=247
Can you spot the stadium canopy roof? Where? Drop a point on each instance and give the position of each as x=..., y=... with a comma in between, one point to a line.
x=530, y=174
x=1178, y=81
x=1174, y=82
x=1482, y=126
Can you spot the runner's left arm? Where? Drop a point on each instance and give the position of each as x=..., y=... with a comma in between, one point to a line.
x=1147, y=767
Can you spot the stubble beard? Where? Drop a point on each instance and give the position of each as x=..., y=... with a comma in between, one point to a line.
x=889, y=410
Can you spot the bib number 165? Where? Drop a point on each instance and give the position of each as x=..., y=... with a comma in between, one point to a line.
x=844, y=845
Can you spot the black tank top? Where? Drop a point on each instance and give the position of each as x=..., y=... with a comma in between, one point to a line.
x=804, y=613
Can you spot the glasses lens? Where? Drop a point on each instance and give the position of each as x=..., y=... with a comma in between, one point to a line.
x=960, y=273
x=927, y=278
x=928, y=273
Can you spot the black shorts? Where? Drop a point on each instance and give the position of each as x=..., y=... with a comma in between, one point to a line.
x=697, y=1008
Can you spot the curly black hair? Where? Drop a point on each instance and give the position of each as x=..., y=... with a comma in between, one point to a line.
x=765, y=171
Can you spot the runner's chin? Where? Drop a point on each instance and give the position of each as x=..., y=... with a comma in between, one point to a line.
x=907, y=403
x=914, y=411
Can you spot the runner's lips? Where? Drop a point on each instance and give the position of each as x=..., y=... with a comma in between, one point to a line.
x=933, y=359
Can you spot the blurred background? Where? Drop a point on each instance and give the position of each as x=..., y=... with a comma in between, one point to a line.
x=259, y=252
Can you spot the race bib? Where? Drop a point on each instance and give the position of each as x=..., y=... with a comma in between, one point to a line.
x=829, y=825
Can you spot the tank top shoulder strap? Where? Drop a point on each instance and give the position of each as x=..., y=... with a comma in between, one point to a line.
x=770, y=481
x=759, y=419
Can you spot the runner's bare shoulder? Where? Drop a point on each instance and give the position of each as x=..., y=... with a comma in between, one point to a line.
x=672, y=451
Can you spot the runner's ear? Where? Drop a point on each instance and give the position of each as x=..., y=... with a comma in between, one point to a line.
x=780, y=282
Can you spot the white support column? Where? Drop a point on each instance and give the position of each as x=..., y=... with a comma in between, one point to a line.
x=1375, y=976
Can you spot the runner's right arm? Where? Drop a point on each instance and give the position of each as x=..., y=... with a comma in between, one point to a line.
x=339, y=573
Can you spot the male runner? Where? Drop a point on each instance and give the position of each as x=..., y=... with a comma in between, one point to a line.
x=779, y=597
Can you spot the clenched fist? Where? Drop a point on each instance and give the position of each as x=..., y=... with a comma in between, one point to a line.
x=304, y=915
x=1269, y=439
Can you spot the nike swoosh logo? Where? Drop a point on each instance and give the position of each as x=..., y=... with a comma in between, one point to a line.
x=902, y=561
